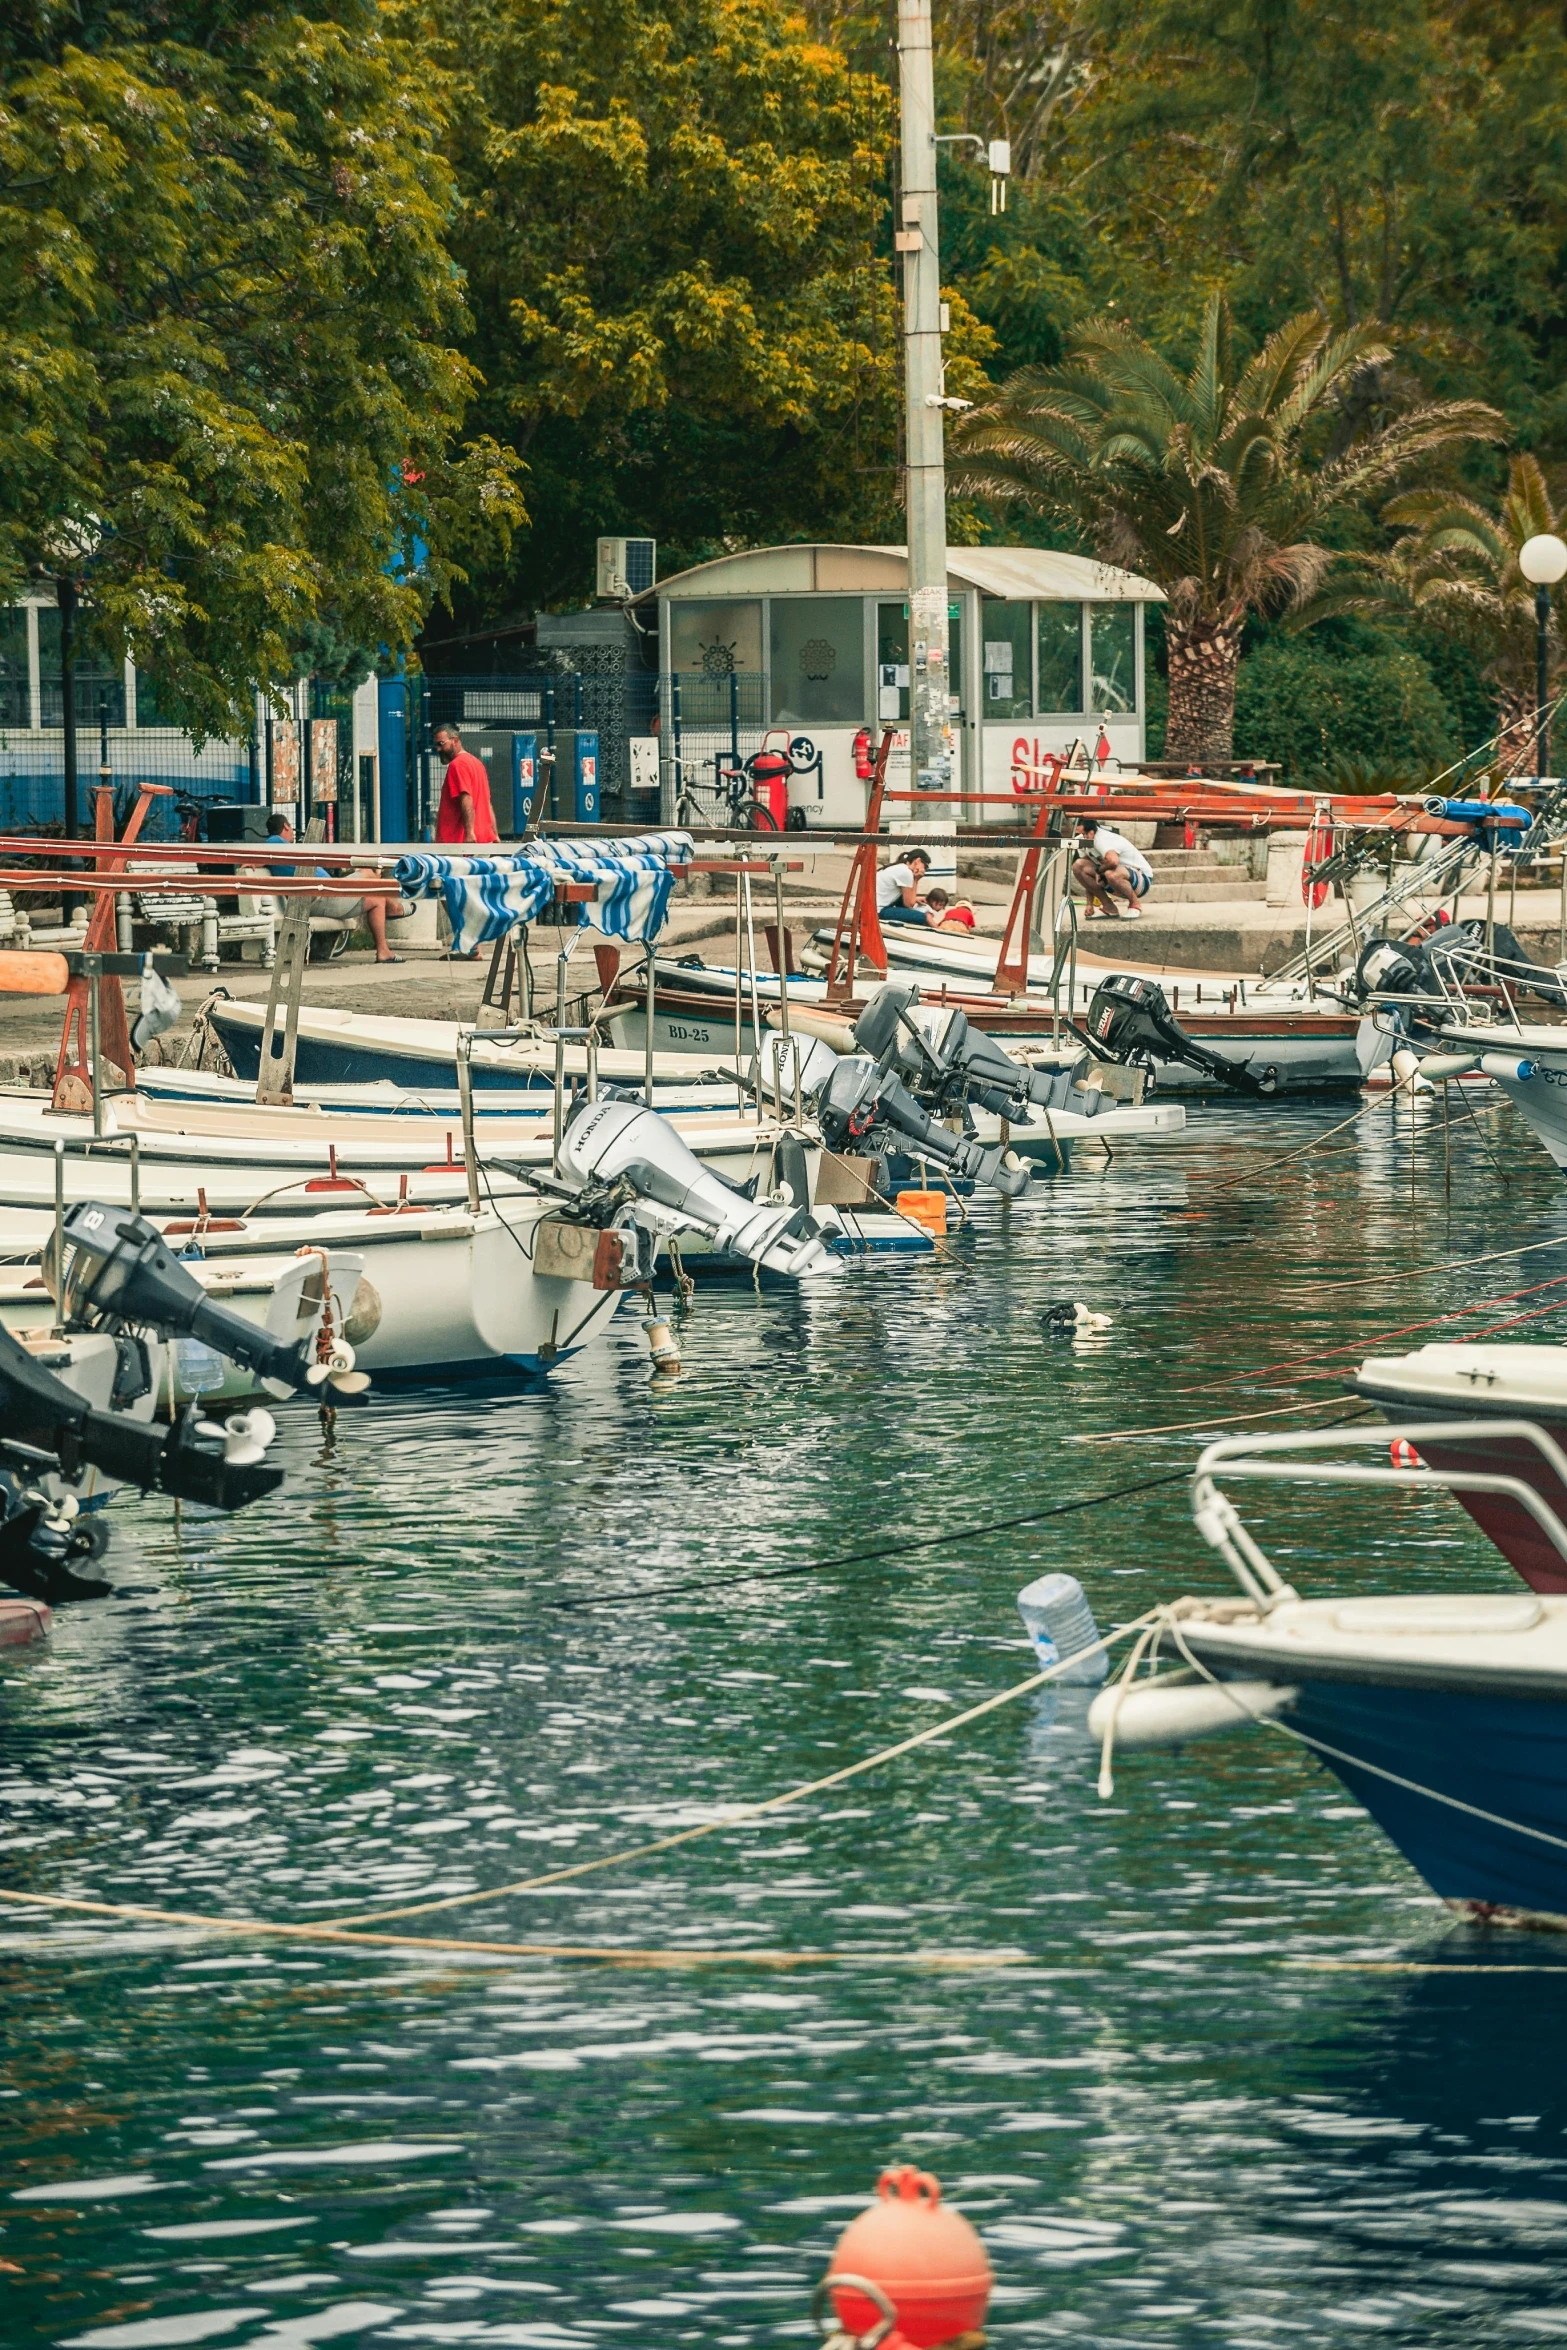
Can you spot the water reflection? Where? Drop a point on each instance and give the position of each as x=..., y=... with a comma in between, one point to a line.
x=1170, y=2128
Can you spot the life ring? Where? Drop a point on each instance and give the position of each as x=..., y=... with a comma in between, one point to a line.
x=1318, y=849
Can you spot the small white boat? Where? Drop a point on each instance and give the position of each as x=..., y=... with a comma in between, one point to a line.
x=422, y=1293
x=246, y=1158
x=1527, y=1061
x=1444, y=1713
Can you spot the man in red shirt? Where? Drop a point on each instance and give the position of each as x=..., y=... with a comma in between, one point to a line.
x=465, y=813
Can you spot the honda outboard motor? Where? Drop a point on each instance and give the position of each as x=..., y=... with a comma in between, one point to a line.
x=117, y=1268
x=47, y=1430
x=628, y=1150
x=864, y=1105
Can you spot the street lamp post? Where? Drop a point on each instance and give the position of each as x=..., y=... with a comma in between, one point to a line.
x=1543, y=561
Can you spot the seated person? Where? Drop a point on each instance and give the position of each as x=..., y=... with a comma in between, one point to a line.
x=948, y=913
x=372, y=912
x=1110, y=870
x=897, y=888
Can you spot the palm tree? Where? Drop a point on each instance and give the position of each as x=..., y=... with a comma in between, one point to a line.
x=1202, y=482
x=1457, y=569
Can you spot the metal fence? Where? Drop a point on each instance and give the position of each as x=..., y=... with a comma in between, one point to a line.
x=32, y=775
x=705, y=724
x=614, y=702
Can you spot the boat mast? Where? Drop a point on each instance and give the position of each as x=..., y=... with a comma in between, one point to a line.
x=930, y=715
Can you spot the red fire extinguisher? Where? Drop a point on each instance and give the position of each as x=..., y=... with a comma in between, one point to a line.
x=864, y=756
x=770, y=770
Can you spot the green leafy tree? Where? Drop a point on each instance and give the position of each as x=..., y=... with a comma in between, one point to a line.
x=230, y=387
x=1402, y=166
x=676, y=234
x=1455, y=570
x=1205, y=482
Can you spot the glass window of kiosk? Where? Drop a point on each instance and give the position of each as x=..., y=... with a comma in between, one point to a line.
x=15, y=691
x=1112, y=639
x=892, y=664
x=99, y=682
x=892, y=660
x=1005, y=660
x=818, y=660
x=1060, y=660
x=712, y=637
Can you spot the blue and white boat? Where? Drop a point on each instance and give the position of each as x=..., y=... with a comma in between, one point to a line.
x=1445, y=1714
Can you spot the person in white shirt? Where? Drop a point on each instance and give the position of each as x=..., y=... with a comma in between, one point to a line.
x=1110, y=870
x=897, y=889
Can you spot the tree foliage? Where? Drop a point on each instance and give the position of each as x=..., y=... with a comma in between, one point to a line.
x=1455, y=568
x=675, y=233
x=1206, y=483
x=230, y=381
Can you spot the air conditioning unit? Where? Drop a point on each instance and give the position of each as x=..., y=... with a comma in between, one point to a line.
x=626, y=567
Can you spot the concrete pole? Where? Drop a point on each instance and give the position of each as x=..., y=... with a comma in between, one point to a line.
x=932, y=766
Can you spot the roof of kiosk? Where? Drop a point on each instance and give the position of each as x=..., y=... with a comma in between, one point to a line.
x=1019, y=573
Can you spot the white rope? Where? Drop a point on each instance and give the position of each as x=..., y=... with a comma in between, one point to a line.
x=1472, y=1811
x=357, y=1931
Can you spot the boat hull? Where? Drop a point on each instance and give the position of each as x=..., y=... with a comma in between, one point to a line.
x=1497, y=1383
x=1444, y=1715
x=1505, y=1757
x=1309, y=1052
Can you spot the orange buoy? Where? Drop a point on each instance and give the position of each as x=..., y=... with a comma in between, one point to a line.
x=928, y=1209
x=926, y=2258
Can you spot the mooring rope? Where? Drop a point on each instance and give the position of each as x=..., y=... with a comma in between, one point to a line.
x=360, y=1931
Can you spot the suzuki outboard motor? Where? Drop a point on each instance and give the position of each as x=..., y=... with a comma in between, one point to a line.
x=626, y=1147
x=118, y=1268
x=863, y=1104
x=46, y=1429
x=1129, y=1020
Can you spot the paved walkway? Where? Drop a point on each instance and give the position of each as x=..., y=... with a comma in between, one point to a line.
x=1242, y=934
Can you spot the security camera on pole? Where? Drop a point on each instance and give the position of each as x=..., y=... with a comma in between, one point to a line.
x=931, y=762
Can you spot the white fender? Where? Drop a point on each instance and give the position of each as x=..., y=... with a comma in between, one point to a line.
x=1172, y=1713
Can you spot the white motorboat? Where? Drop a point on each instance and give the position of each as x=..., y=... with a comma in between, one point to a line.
x=1528, y=1061
x=1444, y=1713
x=249, y=1159
x=1310, y=1043
x=418, y=1293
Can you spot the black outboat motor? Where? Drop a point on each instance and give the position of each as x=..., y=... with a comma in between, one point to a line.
x=863, y=1107
x=116, y=1269
x=1129, y=1020
x=48, y=1431
x=948, y=1064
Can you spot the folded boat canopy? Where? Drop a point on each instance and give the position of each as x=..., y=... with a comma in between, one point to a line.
x=493, y=891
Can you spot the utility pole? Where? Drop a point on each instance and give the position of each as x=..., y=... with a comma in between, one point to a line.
x=916, y=238
x=65, y=596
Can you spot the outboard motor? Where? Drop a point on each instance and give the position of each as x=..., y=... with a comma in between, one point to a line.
x=47, y=1430
x=628, y=1151
x=863, y=1104
x=1129, y=1020
x=944, y=1061
x=1460, y=950
x=116, y=1268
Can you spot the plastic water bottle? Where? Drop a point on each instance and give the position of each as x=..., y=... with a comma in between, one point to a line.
x=1060, y=1623
x=200, y=1366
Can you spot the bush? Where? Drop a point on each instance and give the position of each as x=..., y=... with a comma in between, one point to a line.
x=1310, y=709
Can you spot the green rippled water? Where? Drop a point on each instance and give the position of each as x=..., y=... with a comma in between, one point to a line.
x=1169, y=2129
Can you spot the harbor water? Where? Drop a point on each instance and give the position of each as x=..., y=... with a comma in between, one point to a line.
x=1204, y=2062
